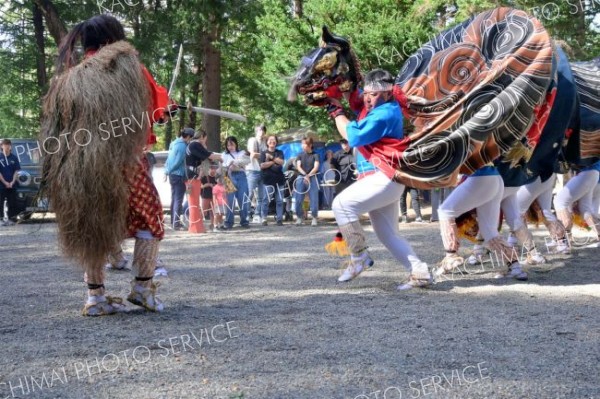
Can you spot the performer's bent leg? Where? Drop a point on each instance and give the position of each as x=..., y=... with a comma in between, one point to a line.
x=575, y=189
x=488, y=215
x=587, y=209
x=143, y=291
x=374, y=192
x=385, y=225
x=535, y=190
x=596, y=199
x=467, y=196
x=116, y=260
x=594, y=222
x=518, y=227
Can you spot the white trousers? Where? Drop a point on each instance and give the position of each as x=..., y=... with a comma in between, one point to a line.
x=482, y=193
x=579, y=188
x=596, y=199
x=378, y=196
x=510, y=208
x=540, y=191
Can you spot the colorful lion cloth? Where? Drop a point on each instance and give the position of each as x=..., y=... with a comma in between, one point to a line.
x=475, y=92
x=583, y=147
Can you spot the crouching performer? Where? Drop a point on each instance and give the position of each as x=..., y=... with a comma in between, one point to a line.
x=377, y=134
x=97, y=119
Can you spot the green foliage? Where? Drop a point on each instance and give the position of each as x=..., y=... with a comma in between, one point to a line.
x=261, y=44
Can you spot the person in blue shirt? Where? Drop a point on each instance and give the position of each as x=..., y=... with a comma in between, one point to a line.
x=9, y=166
x=175, y=171
x=377, y=135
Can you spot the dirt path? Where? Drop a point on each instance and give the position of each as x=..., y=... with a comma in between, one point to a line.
x=258, y=314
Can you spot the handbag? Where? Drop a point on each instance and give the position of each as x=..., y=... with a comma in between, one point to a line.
x=229, y=186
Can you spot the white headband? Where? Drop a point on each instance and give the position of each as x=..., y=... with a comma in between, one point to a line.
x=378, y=86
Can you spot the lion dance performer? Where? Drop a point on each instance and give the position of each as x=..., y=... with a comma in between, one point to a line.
x=377, y=134
x=97, y=119
x=473, y=94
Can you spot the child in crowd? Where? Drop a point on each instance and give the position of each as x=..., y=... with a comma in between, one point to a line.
x=219, y=201
x=208, y=182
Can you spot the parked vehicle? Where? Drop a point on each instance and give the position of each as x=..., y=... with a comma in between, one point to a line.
x=29, y=177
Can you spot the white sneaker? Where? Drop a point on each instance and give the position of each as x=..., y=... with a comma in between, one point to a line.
x=257, y=220
x=314, y=222
x=514, y=271
x=420, y=277
x=122, y=265
x=414, y=282
x=356, y=266
x=558, y=247
x=479, y=251
x=161, y=271
x=535, y=258
x=448, y=264
x=298, y=221
x=145, y=297
x=562, y=248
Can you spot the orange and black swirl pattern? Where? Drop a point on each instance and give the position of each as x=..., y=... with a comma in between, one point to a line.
x=473, y=93
x=584, y=143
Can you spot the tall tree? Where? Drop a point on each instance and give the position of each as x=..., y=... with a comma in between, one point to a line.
x=38, y=23
x=211, y=82
x=55, y=24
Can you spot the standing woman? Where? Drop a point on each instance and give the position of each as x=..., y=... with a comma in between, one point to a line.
x=271, y=163
x=307, y=166
x=195, y=154
x=95, y=172
x=330, y=178
x=234, y=162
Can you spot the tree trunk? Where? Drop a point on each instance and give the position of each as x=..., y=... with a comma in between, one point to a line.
x=55, y=25
x=194, y=96
x=580, y=32
x=211, y=86
x=183, y=113
x=298, y=9
x=168, y=134
x=40, y=55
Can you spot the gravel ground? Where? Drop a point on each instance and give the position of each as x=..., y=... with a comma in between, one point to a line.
x=258, y=313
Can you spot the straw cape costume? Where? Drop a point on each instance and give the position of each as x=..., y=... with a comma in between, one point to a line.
x=97, y=120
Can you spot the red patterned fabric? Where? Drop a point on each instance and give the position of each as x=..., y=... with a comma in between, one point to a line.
x=145, y=209
x=160, y=99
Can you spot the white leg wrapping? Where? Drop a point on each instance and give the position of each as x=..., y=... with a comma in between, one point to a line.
x=565, y=216
x=593, y=222
x=504, y=252
x=449, y=233
x=354, y=236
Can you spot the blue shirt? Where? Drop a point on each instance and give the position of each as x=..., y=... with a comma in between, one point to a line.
x=362, y=165
x=9, y=164
x=175, y=164
x=486, y=171
x=595, y=166
x=382, y=121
